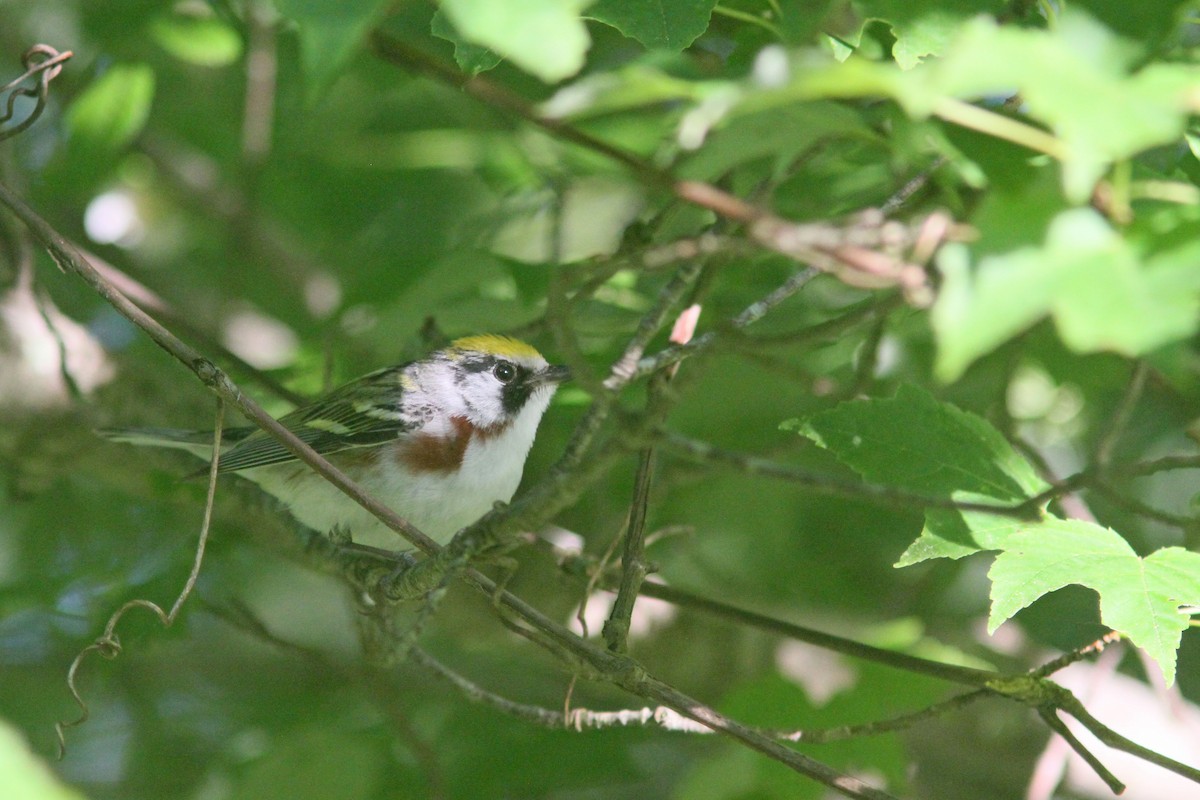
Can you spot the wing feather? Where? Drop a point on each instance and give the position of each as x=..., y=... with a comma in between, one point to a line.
x=364, y=412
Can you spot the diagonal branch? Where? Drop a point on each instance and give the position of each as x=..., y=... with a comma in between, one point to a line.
x=854, y=258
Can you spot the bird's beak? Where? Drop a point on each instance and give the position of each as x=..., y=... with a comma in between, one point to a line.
x=553, y=374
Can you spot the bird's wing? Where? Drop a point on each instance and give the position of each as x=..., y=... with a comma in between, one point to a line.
x=364, y=412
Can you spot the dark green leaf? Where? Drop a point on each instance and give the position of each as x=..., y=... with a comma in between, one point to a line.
x=670, y=24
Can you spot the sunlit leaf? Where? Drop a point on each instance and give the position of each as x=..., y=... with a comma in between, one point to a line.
x=205, y=41
x=924, y=27
x=113, y=109
x=471, y=58
x=1139, y=597
x=546, y=38
x=1101, y=294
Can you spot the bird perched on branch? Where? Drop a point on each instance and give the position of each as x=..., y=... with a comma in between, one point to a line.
x=439, y=440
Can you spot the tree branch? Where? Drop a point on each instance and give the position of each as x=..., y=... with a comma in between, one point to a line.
x=827, y=247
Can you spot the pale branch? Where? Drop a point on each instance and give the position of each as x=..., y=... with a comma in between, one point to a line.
x=705, y=453
x=666, y=718
x=706, y=244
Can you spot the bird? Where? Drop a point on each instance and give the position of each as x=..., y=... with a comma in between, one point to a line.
x=439, y=440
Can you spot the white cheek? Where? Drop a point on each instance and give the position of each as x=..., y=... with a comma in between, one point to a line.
x=481, y=395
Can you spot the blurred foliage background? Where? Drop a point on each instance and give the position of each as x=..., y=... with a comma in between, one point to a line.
x=306, y=210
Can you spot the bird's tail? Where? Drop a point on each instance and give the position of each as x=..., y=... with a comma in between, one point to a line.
x=197, y=443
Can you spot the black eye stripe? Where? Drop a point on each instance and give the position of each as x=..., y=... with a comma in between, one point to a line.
x=474, y=364
x=478, y=364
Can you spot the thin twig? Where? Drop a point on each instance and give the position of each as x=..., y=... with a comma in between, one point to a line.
x=1120, y=417
x=673, y=354
x=1132, y=504
x=1050, y=717
x=897, y=723
x=1071, y=705
x=633, y=558
x=868, y=357
x=916, y=184
x=108, y=645
x=1079, y=653
x=967, y=676
x=579, y=719
x=42, y=62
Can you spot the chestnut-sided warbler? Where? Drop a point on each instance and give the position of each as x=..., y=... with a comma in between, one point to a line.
x=439, y=440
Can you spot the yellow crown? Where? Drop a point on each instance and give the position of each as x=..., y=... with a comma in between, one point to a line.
x=496, y=345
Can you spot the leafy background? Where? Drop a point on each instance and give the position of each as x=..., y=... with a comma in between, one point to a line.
x=310, y=206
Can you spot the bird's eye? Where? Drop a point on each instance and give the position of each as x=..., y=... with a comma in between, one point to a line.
x=504, y=372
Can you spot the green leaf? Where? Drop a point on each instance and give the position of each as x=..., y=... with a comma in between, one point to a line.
x=1076, y=80
x=915, y=443
x=669, y=24
x=1139, y=597
x=1101, y=294
x=471, y=58
x=923, y=27
x=330, y=32
x=955, y=534
x=206, y=41
x=112, y=111
x=780, y=134
x=546, y=38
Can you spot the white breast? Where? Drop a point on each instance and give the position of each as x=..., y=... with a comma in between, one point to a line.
x=438, y=503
